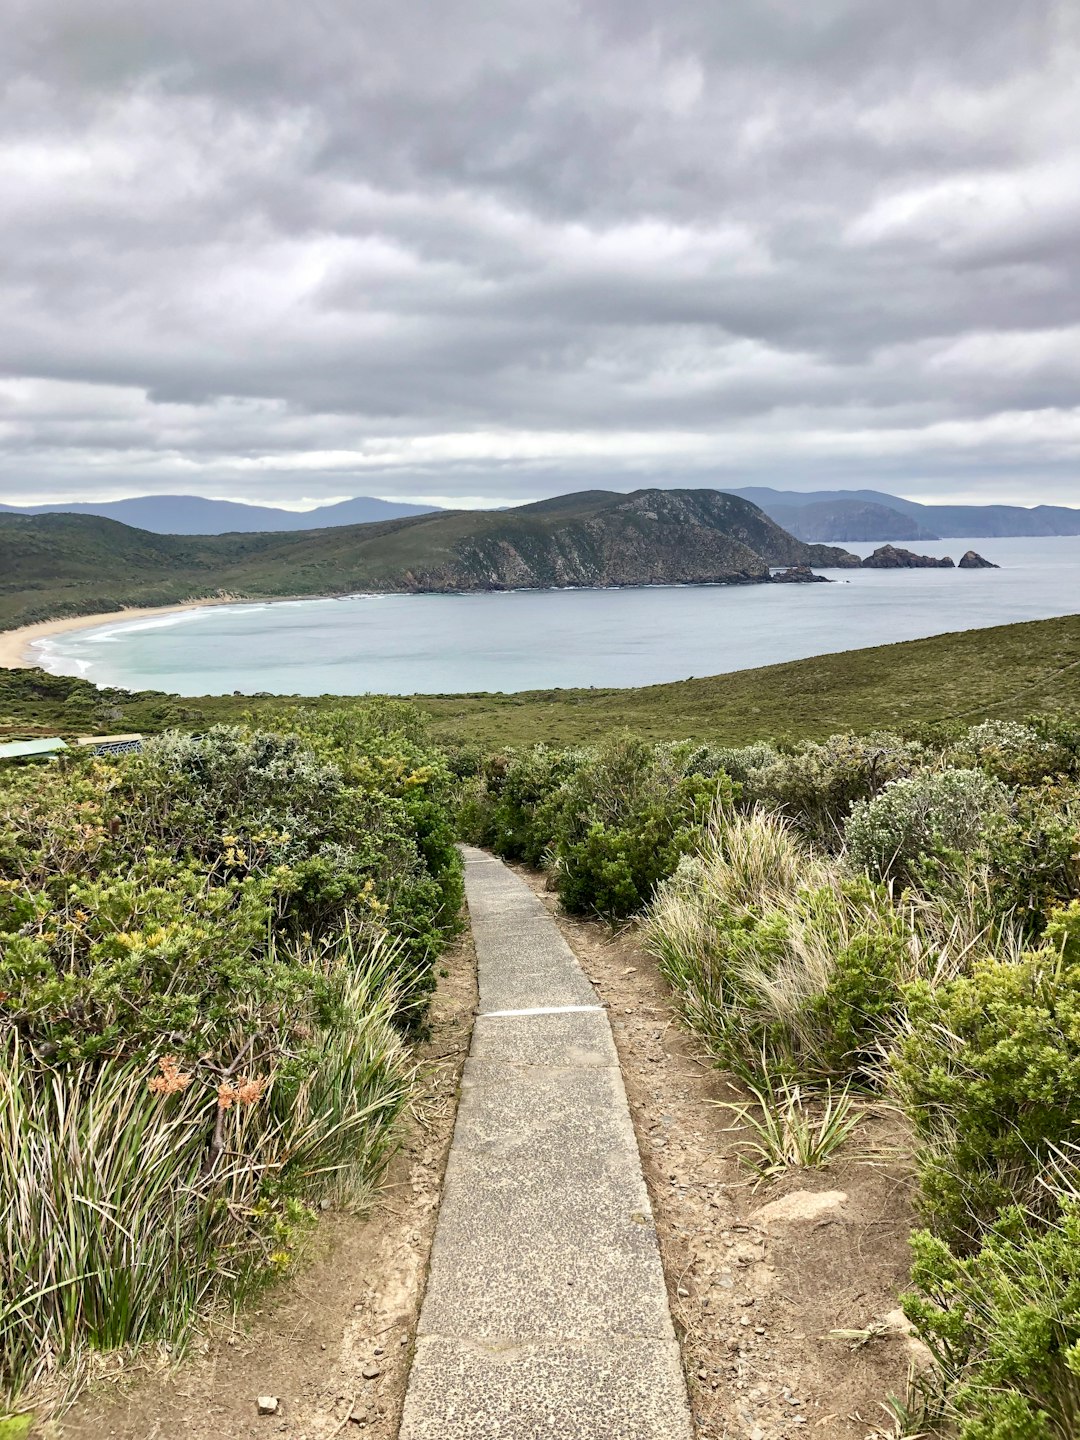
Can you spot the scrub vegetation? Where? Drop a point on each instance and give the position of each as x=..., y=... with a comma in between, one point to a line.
x=213, y=956
x=858, y=919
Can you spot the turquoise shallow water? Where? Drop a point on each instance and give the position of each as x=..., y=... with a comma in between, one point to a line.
x=404, y=644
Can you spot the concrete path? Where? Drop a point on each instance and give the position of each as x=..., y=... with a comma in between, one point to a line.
x=546, y=1313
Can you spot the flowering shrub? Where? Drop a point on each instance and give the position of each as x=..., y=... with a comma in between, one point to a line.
x=947, y=810
x=1016, y=753
x=817, y=785
x=209, y=954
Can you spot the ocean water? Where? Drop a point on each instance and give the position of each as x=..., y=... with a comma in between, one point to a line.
x=527, y=640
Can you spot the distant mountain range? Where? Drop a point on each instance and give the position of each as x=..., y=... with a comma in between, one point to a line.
x=842, y=516
x=193, y=515
x=816, y=516
x=60, y=564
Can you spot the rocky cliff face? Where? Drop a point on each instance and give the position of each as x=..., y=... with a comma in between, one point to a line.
x=652, y=537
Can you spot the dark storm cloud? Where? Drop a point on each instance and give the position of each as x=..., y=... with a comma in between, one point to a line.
x=489, y=252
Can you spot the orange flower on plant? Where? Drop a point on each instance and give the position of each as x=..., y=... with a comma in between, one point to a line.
x=244, y=1092
x=172, y=1079
x=248, y=1091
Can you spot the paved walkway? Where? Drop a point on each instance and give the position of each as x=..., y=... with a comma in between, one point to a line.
x=546, y=1313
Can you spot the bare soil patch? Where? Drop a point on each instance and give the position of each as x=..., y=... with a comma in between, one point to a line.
x=759, y=1278
x=333, y=1343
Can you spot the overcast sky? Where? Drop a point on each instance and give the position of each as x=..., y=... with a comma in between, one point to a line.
x=479, y=251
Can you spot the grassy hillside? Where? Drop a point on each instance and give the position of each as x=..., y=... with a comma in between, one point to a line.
x=1005, y=672
x=79, y=564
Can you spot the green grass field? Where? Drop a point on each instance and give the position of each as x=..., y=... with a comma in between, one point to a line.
x=1008, y=671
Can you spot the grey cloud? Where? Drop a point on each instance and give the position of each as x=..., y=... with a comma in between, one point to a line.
x=291, y=251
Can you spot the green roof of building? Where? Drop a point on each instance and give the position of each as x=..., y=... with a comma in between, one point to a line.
x=19, y=749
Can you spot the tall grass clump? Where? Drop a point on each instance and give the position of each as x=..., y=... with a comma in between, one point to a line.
x=785, y=966
x=136, y=1195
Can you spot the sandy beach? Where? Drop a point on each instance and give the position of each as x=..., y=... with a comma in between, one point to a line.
x=16, y=652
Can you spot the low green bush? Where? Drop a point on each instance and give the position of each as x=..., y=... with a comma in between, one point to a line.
x=1013, y=752
x=210, y=955
x=1032, y=853
x=610, y=821
x=987, y=1068
x=625, y=817
x=818, y=783
x=1004, y=1326
x=918, y=817
x=512, y=807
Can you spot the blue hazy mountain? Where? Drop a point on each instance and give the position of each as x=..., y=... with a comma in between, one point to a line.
x=816, y=516
x=848, y=519
x=193, y=515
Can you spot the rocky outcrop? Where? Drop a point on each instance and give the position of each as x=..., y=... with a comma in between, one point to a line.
x=890, y=557
x=972, y=560
x=799, y=575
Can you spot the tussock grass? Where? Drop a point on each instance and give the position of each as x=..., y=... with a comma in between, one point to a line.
x=791, y=966
x=747, y=959
x=126, y=1212
x=794, y=1130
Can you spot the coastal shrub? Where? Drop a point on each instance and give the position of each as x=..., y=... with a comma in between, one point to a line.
x=524, y=792
x=1033, y=853
x=987, y=1067
x=1003, y=1326
x=1013, y=752
x=920, y=816
x=610, y=821
x=817, y=784
x=786, y=967
x=383, y=750
x=140, y=898
x=736, y=762
x=624, y=818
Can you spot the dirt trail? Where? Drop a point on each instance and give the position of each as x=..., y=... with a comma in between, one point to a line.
x=758, y=1278
x=351, y=1306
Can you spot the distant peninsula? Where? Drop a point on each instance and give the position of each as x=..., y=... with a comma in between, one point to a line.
x=62, y=564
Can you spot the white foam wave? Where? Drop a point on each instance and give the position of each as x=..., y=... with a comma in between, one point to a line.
x=54, y=659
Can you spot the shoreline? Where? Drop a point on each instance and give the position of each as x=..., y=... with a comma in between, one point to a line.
x=17, y=646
